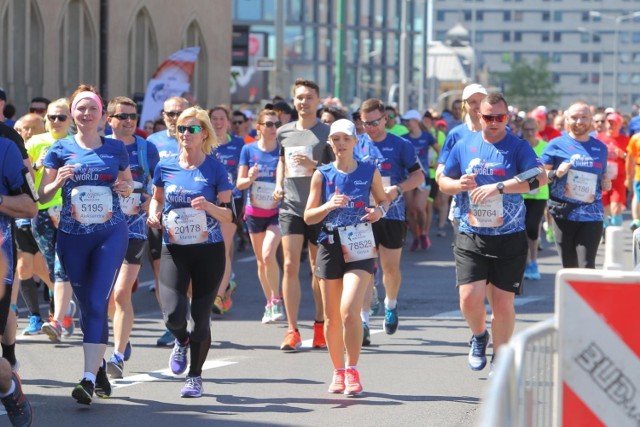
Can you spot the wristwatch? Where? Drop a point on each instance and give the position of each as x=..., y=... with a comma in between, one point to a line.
x=500, y=187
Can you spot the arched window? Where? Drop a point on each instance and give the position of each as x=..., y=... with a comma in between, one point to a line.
x=199, y=82
x=79, y=48
x=22, y=43
x=143, y=53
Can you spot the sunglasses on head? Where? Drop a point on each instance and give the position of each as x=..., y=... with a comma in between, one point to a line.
x=272, y=124
x=57, y=117
x=172, y=114
x=372, y=123
x=191, y=129
x=37, y=110
x=125, y=116
x=498, y=118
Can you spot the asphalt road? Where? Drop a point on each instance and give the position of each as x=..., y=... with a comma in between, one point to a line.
x=418, y=376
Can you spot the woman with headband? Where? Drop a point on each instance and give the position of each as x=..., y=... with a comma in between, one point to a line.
x=92, y=234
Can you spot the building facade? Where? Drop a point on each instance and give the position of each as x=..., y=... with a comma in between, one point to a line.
x=50, y=46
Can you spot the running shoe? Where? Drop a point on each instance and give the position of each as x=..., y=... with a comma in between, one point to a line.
x=318, y=335
x=414, y=245
x=103, y=386
x=534, y=273
x=226, y=303
x=34, y=327
x=277, y=311
x=67, y=323
x=115, y=367
x=178, y=361
x=53, y=330
x=390, y=320
x=425, y=243
x=548, y=232
x=218, y=305
x=166, y=339
x=337, y=383
x=442, y=232
x=267, y=316
x=292, y=341
x=527, y=271
x=83, y=392
x=17, y=405
x=478, y=354
x=352, y=382
x=375, y=302
x=192, y=387
x=127, y=351
x=366, y=335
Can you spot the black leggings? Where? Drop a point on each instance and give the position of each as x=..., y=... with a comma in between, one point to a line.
x=535, y=210
x=577, y=242
x=203, y=267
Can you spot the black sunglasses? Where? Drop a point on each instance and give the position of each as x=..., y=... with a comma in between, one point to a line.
x=191, y=129
x=125, y=116
x=272, y=124
x=372, y=123
x=498, y=118
x=37, y=110
x=172, y=114
x=57, y=117
x=238, y=122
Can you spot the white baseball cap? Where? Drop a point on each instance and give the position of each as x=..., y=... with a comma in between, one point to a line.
x=343, y=126
x=472, y=89
x=412, y=114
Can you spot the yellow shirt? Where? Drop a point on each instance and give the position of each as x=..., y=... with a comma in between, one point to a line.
x=37, y=146
x=633, y=149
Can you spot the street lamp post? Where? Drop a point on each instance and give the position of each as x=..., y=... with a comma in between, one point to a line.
x=616, y=47
x=601, y=67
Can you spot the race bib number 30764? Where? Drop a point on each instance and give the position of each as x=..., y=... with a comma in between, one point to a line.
x=489, y=213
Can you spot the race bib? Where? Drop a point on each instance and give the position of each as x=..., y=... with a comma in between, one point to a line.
x=489, y=213
x=293, y=169
x=54, y=214
x=612, y=170
x=186, y=226
x=131, y=205
x=357, y=242
x=261, y=195
x=581, y=186
x=91, y=204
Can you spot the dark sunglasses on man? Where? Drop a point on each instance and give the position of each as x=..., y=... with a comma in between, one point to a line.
x=125, y=116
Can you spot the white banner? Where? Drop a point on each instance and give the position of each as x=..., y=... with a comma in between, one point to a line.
x=172, y=78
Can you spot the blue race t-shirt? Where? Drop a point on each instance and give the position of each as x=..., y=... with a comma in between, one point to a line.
x=89, y=202
x=492, y=163
x=181, y=186
x=422, y=144
x=13, y=173
x=393, y=156
x=229, y=155
x=136, y=217
x=167, y=145
x=267, y=162
x=356, y=185
x=456, y=134
x=582, y=185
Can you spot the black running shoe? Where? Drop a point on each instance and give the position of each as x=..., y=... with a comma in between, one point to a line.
x=103, y=386
x=83, y=392
x=17, y=406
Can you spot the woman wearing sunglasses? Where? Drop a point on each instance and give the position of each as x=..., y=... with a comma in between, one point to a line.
x=257, y=174
x=193, y=194
x=228, y=153
x=45, y=225
x=92, y=234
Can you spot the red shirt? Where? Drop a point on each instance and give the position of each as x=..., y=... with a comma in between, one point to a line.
x=549, y=133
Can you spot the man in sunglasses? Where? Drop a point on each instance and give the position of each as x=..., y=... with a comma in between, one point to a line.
x=166, y=143
x=398, y=164
x=39, y=106
x=304, y=147
x=490, y=170
x=392, y=124
x=240, y=126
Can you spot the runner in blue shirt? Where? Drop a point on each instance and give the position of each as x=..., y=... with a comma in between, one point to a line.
x=487, y=170
x=577, y=165
x=340, y=200
x=193, y=194
x=92, y=235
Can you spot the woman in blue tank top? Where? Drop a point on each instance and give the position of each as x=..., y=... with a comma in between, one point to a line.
x=340, y=199
x=92, y=234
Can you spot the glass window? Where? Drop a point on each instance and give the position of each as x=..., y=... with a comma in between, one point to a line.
x=467, y=15
x=586, y=17
x=584, y=78
x=517, y=36
x=517, y=56
x=546, y=16
x=248, y=10
x=545, y=36
x=557, y=16
x=595, y=78
x=517, y=16
x=506, y=16
x=557, y=37
x=584, y=58
x=440, y=16
x=479, y=15
x=635, y=78
x=596, y=57
x=635, y=37
x=506, y=36
x=556, y=58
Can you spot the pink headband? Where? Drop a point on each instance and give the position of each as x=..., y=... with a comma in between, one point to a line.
x=86, y=95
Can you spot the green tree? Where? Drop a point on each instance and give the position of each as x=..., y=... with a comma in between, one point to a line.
x=528, y=85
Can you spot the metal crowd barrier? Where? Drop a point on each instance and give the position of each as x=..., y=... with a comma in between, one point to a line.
x=521, y=389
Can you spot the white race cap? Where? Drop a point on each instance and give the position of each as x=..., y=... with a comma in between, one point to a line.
x=472, y=89
x=542, y=108
x=412, y=114
x=343, y=126
x=609, y=110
